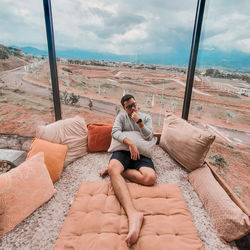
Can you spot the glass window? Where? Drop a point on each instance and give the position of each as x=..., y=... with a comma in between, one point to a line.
x=25, y=89
x=111, y=48
x=221, y=90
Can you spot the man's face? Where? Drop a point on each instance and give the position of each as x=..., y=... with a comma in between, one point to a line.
x=130, y=106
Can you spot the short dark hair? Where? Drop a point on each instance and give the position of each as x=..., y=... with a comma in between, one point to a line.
x=126, y=98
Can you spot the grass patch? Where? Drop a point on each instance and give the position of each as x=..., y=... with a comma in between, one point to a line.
x=218, y=160
x=238, y=191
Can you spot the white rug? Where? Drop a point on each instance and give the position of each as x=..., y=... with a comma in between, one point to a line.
x=40, y=230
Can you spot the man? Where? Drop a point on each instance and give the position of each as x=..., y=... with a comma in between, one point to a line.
x=130, y=164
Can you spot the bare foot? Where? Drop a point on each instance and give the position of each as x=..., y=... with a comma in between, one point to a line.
x=104, y=172
x=135, y=224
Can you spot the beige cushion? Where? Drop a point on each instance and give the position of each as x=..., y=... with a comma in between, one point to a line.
x=228, y=219
x=187, y=144
x=97, y=221
x=72, y=132
x=22, y=190
x=145, y=147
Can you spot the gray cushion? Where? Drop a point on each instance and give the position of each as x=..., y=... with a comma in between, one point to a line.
x=145, y=147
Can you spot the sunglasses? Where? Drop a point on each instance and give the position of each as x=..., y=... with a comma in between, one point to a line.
x=129, y=107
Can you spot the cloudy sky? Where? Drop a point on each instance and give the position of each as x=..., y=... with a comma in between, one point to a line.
x=127, y=27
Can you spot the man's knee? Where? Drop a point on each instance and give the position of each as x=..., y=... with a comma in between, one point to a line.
x=114, y=168
x=149, y=179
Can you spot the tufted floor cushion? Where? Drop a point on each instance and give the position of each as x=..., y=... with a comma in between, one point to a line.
x=97, y=221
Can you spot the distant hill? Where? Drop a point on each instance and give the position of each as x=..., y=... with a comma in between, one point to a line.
x=4, y=53
x=34, y=51
x=11, y=58
x=232, y=60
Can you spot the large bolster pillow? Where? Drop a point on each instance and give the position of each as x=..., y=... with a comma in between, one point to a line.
x=230, y=221
x=145, y=147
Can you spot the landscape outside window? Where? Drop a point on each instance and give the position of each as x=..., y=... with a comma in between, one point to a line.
x=107, y=49
x=221, y=90
x=25, y=96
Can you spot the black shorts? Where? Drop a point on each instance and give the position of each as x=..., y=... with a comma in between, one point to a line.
x=124, y=158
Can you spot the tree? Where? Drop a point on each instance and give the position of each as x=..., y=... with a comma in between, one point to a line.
x=229, y=115
x=117, y=109
x=173, y=106
x=3, y=53
x=199, y=109
x=90, y=104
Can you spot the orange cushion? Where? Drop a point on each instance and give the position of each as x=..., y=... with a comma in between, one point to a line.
x=22, y=190
x=228, y=219
x=99, y=137
x=96, y=219
x=54, y=156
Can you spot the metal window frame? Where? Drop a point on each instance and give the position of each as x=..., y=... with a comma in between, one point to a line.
x=193, y=57
x=191, y=68
x=52, y=58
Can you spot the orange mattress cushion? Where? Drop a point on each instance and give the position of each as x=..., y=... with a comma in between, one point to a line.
x=97, y=221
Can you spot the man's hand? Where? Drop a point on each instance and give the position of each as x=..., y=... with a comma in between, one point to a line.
x=135, y=116
x=134, y=152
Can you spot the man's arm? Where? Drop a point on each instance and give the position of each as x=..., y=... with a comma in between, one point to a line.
x=145, y=126
x=134, y=152
x=118, y=135
x=117, y=129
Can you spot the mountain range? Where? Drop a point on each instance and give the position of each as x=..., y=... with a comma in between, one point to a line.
x=232, y=60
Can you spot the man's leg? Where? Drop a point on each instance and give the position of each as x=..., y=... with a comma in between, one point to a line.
x=135, y=218
x=145, y=175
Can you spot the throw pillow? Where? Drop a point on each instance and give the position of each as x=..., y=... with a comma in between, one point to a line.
x=72, y=132
x=145, y=147
x=228, y=219
x=187, y=144
x=99, y=137
x=54, y=156
x=23, y=190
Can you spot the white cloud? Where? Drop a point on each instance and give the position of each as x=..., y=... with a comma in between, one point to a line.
x=21, y=12
x=132, y=35
x=226, y=25
x=224, y=41
x=129, y=26
x=244, y=45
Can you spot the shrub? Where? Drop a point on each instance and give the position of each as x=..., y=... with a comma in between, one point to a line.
x=69, y=98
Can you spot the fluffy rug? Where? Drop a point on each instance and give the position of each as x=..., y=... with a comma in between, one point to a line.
x=41, y=229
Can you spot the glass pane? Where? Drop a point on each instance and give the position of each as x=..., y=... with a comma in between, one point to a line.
x=109, y=48
x=221, y=94
x=25, y=91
